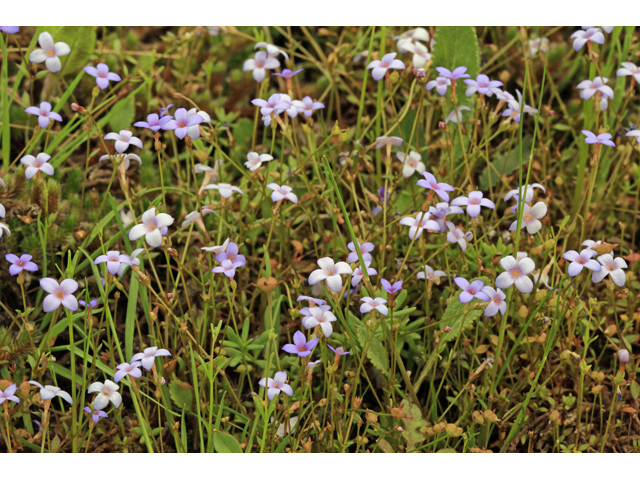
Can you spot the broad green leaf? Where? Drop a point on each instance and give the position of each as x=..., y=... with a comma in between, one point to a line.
x=376, y=353
x=225, y=443
x=181, y=394
x=413, y=422
x=123, y=119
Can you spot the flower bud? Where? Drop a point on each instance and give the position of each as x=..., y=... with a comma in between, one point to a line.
x=77, y=108
x=623, y=356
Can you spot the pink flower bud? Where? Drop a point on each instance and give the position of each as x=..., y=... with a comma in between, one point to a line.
x=441, y=124
x=446, y=329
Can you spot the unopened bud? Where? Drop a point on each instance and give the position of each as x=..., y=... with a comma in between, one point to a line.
x=77, y=108
x=623, y=356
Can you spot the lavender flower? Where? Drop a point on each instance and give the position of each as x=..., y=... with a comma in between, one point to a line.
x=497, y=301
x=471, y=290
x=366, y=249
x=441, y=211
x=300, y=346
x=9, y=394
x=307, y=106
x=10, y=30
x=338, y=351
x=440, y=84
x=96, y=415
x=380, y=67
x=431, y=183
x=358, y=273
x=20, y=264
x=49, y=52
x=456, y=235
x=147, y=358
x=182, y=122
x=113, y=259
x=288, y=74
x=154, y=122
x=102, y=74
x=581, y=260
x=473, y=203
x=218, y=248
x=125, y=369
x=92, y=303
x=231, y=253
x=603, y=138
x=482, y=85
x=59, y=294
x=516, y=106
x=430, y=274
x=388, y=142
x=44, y=113
x=391, y=289
x=623, y=356
x=165, y=110
x=312, y=301
x=457, y=73
x=227, y=267
x=418, y=224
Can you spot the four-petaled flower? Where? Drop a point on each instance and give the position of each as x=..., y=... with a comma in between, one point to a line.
x=107, y=392
x=629, y=69
x=231, y=253
x=96, y=415
x=307, y=106
x=330, y=272
x=102, y=74
x=123, y=139
x=151, y=227
x=48, y=392
x=482, y=85
x=147, y=357
x=300, y=346
x=154, y=122
x=369, y=304
x=259, y=64
x=36, y=164
x=581, y=37
x=124, y=369
x=365, y=249
x=391, y=289
x=338, y=351
x=44, y=113
x=9, y=394
x=59, y=294
x=421, y=221
x=113, y=259
x=440, y=84
x=19, y=264
x=182, y=123
x=225, y=189
x=276, y=384
x=254, y=161
x=516, y=272
x=612, y=267
x=603, y=138
x=315, y=316
x=430, y=274
x=288, y=74
x=471, y=290
x=473, y=203
x=431, y=183
x=581, y=260
x=358, y=273
x=282, y=192
x=457, y=73
x=410, y=163
x=516, y=106
x=380, y=67
x=49, y=52
x=456, y=235
x=496, y=301
x=388, y=142
x=531, y=218
x=227, y=267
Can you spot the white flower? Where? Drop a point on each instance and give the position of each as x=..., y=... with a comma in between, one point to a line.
x=590, y=35
x=456, y=235
x=123, y=139
x=369, y=304
x=126, y=217
x=516, y=272
x=283, y=430
x=411, y=163
x=538, y=44
x=629, y=69
x=59, y=294
x=37, y=164
x=196, y=217
x=319, y=316
x=531, y=218
x=272, y=50
x=147, y=357
x=388, y=141
x=358, y=273
x=420, y=53
x=49, y=391
x=120, y=159
x=496, y=299
x=254, y=161
x=107, y=392
x=4, y=228
x=276, y=384
x=473, y=203
x=150, y=227
x=591, y=244
x=419, y=223
x=259, y=64
x=218, y=248
x=612, y=267
x=452, y=117
x=431, y=274
x=49, y=52
x=330, y=272
x=282, y=192
x=225, y=189
x=134, y=258
x=194, y=130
